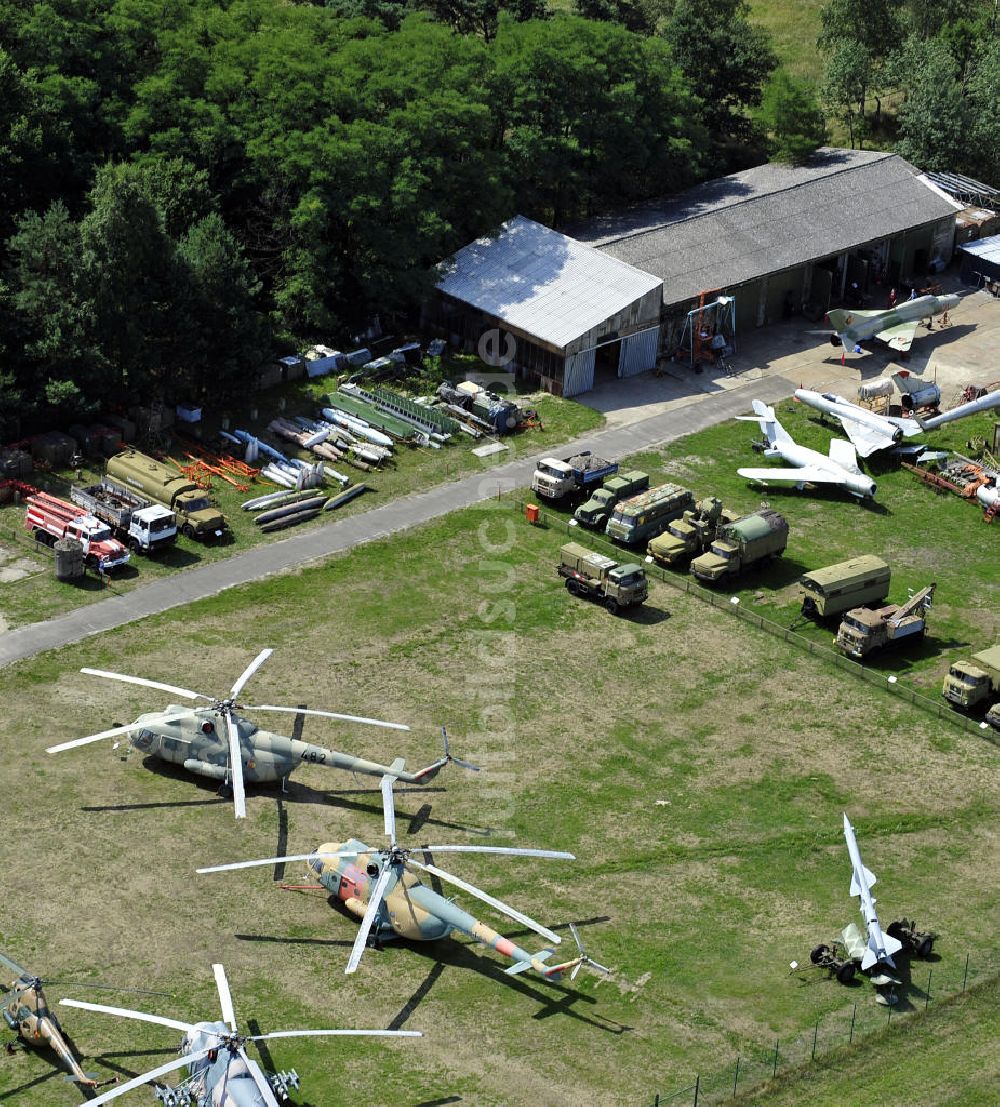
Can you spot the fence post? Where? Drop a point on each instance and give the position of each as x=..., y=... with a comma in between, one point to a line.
x=736, y=1078
x=775, y=1072
x=927, y=997
x=697, y=1088
x=854, y=1015
x=656, y=1102
x=965, y=979
x=815, y=1036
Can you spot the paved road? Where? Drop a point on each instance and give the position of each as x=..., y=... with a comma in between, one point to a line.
x=343, y=534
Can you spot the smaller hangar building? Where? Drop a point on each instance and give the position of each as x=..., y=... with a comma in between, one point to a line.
x=574, y=312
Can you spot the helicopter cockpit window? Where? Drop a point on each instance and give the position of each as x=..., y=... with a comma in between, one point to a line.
x=144, y=738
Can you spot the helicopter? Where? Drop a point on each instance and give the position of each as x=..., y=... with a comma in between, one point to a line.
x=383, y=889
x=219, y=1071
x=26, y=1012
x=217, y=742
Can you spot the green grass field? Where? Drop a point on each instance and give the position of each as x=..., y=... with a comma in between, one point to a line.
x=696, y=766
x=39, y=596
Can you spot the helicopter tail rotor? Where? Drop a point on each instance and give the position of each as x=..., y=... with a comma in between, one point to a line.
x=583, y=959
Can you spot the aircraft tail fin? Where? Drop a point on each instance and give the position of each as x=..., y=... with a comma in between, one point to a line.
x=873, y=955
x=839, y=319
x=523, y=966
x=765, y=417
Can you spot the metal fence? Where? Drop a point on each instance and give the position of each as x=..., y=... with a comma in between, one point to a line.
x=755, y=1065
x=891, y=685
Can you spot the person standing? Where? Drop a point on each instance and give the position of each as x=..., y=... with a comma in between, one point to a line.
x=892, y=299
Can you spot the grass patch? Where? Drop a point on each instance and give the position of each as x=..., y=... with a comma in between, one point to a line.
x=696, y=766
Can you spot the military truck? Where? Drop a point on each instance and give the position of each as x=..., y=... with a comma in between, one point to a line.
x=750, y=540
x=555, y=479
x=197, y=515
x=644, y=516
x=865, y=629
x=597, y=510
x=592, y=574
x=972, y=684
x=835, y=589
x=691, y=534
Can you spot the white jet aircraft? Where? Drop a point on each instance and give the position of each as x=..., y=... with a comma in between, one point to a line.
x=867, y=430
x=809, y=466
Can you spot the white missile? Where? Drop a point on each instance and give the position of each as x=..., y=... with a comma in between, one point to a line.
x=868, y=430
x=985, y=403
x=881, y=946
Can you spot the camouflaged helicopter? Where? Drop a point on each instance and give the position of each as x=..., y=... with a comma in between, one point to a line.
x=214, y=1052
x=26, y=1012
x=215, y=741
x=383, y=889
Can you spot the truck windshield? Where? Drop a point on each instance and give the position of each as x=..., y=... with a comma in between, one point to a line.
x=855, y=625
x=965, y=678
x=549, y=471
x=629, y=579
x=197, y=503
x=158, y=525
x=722, y=551
x=100, y=534
x=676, y=529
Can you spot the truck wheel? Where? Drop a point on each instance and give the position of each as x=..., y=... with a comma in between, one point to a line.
x=134, y=546
x=817, y=954
x=612, y=605
x=187, y=530
x=573, y=587
x=44, y=536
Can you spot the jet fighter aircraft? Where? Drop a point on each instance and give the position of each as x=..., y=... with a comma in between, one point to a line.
x=809, y=466
x=868, y=430
x=896, y=327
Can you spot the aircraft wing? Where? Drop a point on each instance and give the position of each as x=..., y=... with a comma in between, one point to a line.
x=866, y=438
x=843, y=454
x=909, y=427
x=808, y=475
x=899, y=337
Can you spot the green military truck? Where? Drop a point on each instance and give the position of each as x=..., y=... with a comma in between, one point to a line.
x=197, y=516
x=601, y=578
x=691, y=534
x=973, y=684
x=748, y=541
x=643, y=517
x=597, y=510
x=835, y=589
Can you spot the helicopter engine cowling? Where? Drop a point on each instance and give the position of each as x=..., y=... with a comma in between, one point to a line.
x=205, y=768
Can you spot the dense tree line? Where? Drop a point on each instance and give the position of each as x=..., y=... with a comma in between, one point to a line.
x=185, y=182
x=940, y=58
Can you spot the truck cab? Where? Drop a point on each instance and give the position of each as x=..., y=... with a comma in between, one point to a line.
x=553, y=478
x=595, y=512
x=152, y=528
x=966, y=684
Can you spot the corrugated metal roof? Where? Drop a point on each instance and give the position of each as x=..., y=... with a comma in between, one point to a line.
x=986, y=248
x=541, y=282
x=738, y=228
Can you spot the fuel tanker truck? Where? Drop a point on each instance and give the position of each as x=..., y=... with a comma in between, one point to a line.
x=196, y=515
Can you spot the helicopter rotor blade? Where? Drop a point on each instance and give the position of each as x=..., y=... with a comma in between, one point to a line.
x=331, y=1033
x=236, y=767
x=109, y=734
x=125, y=1013
x=262, y=1082
x=249, y=671
x=374, y=902
x=584, y=959
x=512, y=851
x=325, y=715
x=275, y=861
x=185, y=693
x=170, y=1066
x=225, y=997
x=499, y=905
x=388, y=807
x=15, y=967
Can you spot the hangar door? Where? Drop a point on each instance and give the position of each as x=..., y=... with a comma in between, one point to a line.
x=578, y=374
x=638, y=352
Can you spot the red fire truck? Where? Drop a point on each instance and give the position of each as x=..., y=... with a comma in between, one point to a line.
x=50, y=519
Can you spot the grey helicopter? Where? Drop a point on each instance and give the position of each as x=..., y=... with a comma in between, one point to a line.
x=219, y=742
